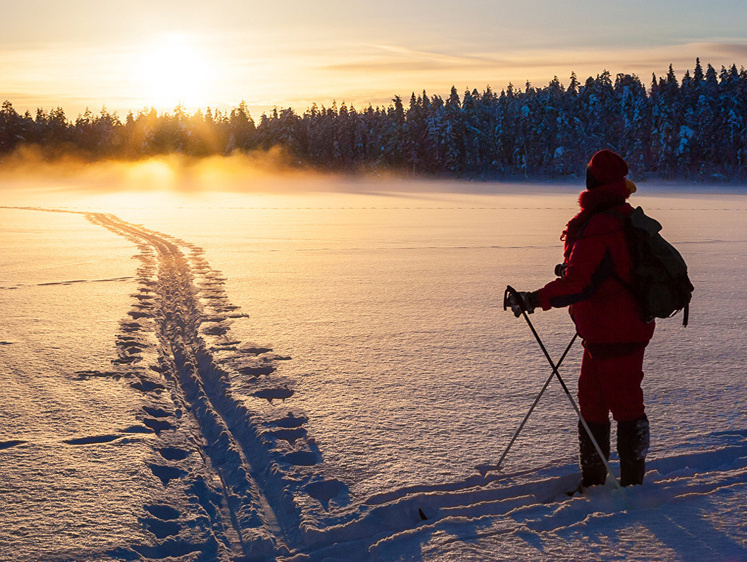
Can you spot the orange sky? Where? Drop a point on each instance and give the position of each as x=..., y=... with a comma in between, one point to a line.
x=129, y=55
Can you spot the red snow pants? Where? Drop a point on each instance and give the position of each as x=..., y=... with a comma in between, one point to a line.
x=611, y=384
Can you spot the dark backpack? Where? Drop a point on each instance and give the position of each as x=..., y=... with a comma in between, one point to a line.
x=659, y=280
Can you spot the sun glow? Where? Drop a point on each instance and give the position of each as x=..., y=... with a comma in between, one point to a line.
x=175, y=71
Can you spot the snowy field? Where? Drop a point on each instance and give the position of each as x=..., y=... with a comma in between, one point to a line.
x=310, y=376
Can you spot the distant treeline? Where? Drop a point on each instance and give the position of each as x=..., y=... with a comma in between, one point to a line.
x=691, y=129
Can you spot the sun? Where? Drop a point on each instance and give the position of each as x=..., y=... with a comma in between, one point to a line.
x=174, y=70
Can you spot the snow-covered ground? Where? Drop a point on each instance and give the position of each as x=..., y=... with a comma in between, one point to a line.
x=316, y=376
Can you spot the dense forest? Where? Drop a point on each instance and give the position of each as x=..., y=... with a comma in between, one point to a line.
x=691, y=129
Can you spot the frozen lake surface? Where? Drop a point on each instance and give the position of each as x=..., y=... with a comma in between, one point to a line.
x=316, y=375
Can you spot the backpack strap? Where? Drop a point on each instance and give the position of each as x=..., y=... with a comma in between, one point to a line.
x=625, y=221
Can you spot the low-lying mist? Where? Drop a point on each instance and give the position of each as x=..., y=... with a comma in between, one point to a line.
x=259, y=171
x=245, y=172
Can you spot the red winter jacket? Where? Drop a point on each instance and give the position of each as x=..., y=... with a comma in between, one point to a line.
x=596, y=250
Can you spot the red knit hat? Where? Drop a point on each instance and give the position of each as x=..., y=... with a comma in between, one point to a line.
x=607, y=167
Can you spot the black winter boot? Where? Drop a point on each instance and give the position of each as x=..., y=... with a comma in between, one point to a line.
x=593, y=471
x=632, y=446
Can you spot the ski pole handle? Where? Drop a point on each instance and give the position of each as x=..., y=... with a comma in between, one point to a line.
x=513, y=300
x=510, y=291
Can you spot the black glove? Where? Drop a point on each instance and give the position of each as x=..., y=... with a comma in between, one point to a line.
x=529, y=301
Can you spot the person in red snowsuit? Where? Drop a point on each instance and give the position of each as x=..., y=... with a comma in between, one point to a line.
x=592, y=284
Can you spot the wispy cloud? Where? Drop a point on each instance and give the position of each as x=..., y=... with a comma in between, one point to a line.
x=506, y=66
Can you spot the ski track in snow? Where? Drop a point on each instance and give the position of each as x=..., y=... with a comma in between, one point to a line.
x=259, y=465
x=254, y=479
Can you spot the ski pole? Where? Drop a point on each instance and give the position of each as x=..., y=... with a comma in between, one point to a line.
x=484, y=468
x=511, y=292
